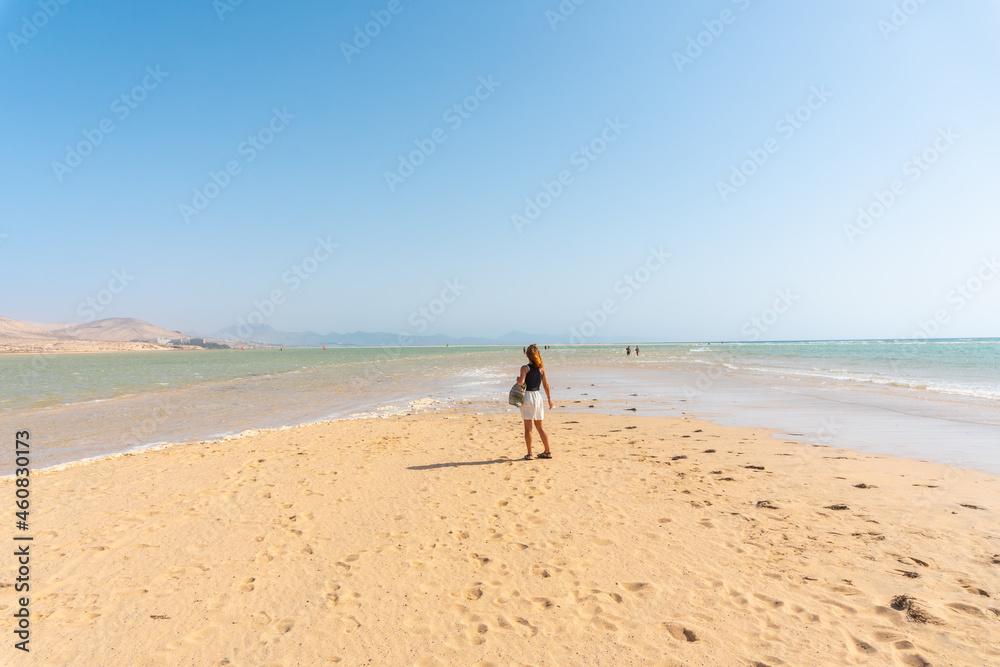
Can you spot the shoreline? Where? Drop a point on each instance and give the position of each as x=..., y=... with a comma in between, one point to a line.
x=424, y=535
x=189, y=414
x=452, y=411
x=185, y=398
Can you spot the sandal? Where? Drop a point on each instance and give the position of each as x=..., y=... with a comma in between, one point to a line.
x=545, y=455
x=528, y=457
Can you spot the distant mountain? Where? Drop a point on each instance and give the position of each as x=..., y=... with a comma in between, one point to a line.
x=128, y=330
x=49, y=326
x=115, y=334
x=267, y=335
x=121, y=329
x=16, y=329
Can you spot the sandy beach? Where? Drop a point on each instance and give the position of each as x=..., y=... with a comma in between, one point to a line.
x=425, y=540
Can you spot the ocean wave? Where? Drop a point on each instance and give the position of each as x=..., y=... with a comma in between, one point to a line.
x=914, y=383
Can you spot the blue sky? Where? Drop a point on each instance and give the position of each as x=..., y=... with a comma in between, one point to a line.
x=673, y=129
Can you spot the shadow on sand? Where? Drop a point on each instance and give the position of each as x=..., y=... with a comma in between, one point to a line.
x=455, y=464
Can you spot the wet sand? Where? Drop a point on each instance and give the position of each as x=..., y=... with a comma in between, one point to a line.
x=425, y=540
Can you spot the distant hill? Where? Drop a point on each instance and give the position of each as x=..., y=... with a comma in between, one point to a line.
x=131, y=330
x=119, y=329
x=16, y=329
x=49, y=326
x=109, y=335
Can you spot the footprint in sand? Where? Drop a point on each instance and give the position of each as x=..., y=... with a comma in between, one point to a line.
x=345, y=623
x=473, y=592
x=972, y=588
x=544, y=603
x=770, y=602
x=474, y=633
x=247, y=585
x=967, y=609
x=539, y=571
x=859, y=646
x=602, y=623
x=478, y=560
x=806, y=615
x=679, y=632
x=637, y=587
x=885, y=636
x=520, y=625
x=331, y=596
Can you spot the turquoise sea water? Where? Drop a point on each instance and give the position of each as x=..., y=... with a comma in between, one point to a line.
x=942, y=395
x=953, y=367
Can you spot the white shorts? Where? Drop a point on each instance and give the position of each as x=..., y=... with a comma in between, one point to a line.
x=532, y=407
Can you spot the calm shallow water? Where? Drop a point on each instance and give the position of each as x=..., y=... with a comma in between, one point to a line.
x=935, y=400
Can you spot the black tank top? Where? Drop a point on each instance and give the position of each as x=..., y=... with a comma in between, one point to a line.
x=533, y=380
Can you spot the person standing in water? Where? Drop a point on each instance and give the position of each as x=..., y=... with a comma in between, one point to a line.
x=628, y=351
x=637, y=350
x=532, y=378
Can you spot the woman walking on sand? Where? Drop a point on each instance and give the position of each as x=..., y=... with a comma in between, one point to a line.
x=533, y=377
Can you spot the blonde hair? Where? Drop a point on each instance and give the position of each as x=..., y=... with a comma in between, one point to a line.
x=534, y=356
